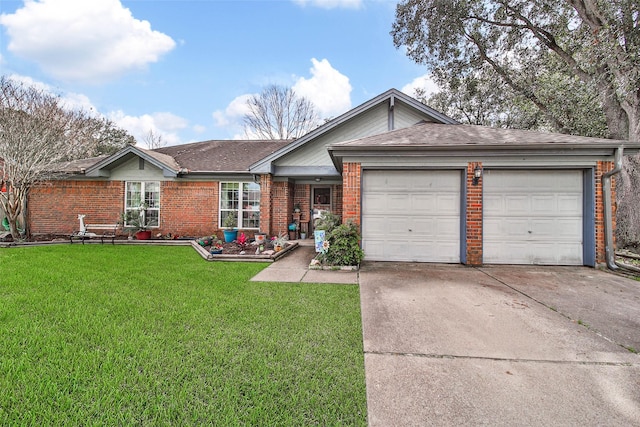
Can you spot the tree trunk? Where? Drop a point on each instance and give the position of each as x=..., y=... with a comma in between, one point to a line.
x=12, y=204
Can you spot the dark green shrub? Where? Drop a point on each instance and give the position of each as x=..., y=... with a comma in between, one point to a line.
x=344, y=246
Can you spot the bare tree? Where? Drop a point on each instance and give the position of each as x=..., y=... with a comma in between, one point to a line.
x=36, y=134
x=153, y=140
x=278, y=113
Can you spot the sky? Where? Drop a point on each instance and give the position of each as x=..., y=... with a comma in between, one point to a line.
x=185, y=68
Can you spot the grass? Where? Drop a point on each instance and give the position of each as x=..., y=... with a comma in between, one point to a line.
x=119, y=335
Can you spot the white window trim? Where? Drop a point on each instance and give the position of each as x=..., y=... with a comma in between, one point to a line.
x=142, y=190
x=239, y=211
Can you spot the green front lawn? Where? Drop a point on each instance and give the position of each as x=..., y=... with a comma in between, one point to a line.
x=120, y=335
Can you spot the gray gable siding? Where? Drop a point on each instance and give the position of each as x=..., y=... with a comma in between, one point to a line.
x=372, y=122
x=130, y=171
x=314, y=153
x=405, y=117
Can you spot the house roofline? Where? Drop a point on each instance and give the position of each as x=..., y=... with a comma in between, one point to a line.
x=391, y=94
x=97, y=169
x=337, y=152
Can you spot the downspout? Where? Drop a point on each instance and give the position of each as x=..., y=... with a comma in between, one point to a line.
x=608, y=215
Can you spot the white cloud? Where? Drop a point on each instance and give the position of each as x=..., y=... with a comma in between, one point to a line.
x=423, y=82
x=328, y=89
x=163, y=124
x=90, y=41
x=331, y=4
x=199, y=128
x=232, y=115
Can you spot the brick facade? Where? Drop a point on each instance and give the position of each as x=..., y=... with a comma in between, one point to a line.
x=281, y=206
x=351, y=197
x=189, y=208
x=54, y=206
x=474, y=216
x=186, y=208
x=601, y=169
x=266, y=184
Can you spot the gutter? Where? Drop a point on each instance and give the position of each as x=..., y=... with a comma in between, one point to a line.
x=608, y=216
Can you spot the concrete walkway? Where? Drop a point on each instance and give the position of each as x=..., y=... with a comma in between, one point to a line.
x=295, y=268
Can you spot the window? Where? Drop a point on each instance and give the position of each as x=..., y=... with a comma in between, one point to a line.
x=321, y=196
x=142, y=200
x=241, y=199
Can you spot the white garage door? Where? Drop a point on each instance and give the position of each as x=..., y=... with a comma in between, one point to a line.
x=411, y=216
x=532, y=217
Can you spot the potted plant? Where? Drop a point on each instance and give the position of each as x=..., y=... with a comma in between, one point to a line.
x=230, y=222
x=137, y=223
x=279, y=241
x=296, y=208
x=216, y=247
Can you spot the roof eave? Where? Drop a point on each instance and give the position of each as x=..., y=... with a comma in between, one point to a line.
x=99, y=169
x=337, y=151
x=389, y=94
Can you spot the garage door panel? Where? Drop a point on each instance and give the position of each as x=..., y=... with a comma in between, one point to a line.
x=532, y=217
x=374, y=248
x=493, y=202
x=555, y=229
x=377, y=203
x=396, y=225
x=411, y=215
x=558, y=254
x=516, y=228
x=398, y=203
x=514, y=251
x=570, y=205
x=424, y=204
x=422, y=227
x=542, y=205
x=449, y=204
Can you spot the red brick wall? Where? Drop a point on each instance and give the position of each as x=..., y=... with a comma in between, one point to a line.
x=189, y=208
x=351, y=186
x=54, y=206
x=302, y=197
x=337, y=199
x=266, y=188
x=474, y=216
x=601, y=169
x=281, y=206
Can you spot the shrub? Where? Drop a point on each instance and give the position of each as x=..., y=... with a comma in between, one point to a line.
x=344, y=246
x=327, y=222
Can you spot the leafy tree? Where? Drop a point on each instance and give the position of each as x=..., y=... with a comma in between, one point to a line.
x=278, y=113
x=37, y=134
x=575, y=61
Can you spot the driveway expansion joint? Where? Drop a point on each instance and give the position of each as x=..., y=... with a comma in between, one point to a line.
x=499, y=359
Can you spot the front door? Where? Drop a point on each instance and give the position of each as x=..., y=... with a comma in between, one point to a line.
x=321, y=200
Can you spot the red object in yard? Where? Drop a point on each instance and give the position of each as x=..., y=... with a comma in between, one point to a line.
x=242, y=239
x=143, y=235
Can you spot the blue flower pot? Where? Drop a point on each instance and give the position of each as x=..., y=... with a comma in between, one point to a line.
x=230, y=235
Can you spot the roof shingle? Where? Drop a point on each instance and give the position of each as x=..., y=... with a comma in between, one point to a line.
x=221, y=155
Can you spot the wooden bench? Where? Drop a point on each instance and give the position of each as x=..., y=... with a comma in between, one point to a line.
x=108, y=232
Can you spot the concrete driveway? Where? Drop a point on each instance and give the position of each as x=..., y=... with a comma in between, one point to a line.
x=455, y=345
